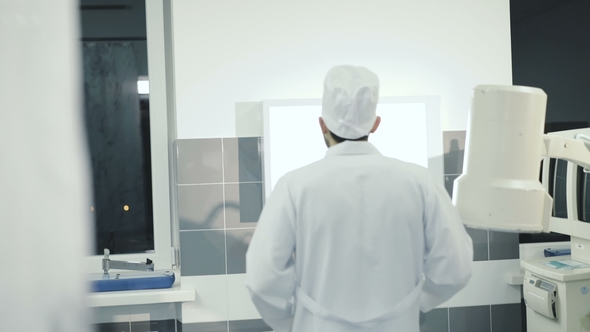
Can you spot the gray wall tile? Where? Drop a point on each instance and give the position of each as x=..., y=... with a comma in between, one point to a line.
x=506, y=318
x=454, y=151
x=243, y=204
x=251, y=201
x=202, y=253
x=156, y=312
x=454, y=140
x=231, y=160
x=252, y=325
x=199, y=161
x=454, y=145
x=504, y=245
x=200, y=206
x=250, y=154
x=112, y=327
x=237, y=241
x=436, y=320
x=242, y=159
x=470, y=319
x=205, y=327
x=480, y=243
x=449, y=183
x=232, y=207
x=154, y=326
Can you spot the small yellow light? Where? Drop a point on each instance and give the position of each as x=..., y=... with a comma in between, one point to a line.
x=126, y=207
x=92, y=208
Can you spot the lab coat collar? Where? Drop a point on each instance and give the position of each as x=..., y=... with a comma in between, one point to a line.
x=352, y=148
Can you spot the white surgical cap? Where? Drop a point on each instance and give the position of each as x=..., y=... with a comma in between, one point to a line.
x=350, y=101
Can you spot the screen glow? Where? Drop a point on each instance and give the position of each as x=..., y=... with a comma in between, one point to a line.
x=296, y=140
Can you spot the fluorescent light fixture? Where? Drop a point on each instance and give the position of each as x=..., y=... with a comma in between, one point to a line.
x=143, y=85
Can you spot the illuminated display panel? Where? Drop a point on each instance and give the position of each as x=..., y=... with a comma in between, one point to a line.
x=409, y=131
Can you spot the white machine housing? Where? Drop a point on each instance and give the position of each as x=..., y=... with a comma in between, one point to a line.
x=500, y=187
x=500, y=190
x=571, y=297
x=578, y=230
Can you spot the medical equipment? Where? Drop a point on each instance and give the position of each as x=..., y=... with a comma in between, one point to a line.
x=107, y=282
x=500, y=190
x=108, y=264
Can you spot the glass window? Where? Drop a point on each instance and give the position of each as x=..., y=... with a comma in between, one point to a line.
x=558, y=177
x=114, y=50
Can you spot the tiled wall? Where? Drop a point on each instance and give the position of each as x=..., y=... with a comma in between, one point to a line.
x=251, y=325
x=163, y=317
x=220, y=197
x=142, y=326
x=488, y=246
x=220, y=192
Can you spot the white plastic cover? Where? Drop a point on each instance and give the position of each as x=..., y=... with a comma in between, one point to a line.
x=500, y=187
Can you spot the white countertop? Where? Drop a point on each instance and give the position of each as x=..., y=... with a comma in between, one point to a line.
x=538, y=267
x=176, y=293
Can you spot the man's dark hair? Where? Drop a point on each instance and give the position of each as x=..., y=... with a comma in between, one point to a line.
x=339, y=139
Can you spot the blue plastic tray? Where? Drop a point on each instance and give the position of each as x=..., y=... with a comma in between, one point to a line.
x=557, y=252
x=132, y=281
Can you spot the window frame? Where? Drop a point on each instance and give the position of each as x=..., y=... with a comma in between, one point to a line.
x=162, y=134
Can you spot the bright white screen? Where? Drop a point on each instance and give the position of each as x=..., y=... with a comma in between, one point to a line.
x=295, y=137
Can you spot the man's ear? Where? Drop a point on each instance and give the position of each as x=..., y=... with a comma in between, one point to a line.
x=376, y=125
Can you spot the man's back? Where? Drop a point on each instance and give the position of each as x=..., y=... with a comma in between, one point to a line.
x=360, y=226
x=360, y=229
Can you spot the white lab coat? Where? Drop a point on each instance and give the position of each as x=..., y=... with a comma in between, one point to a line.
x=356, y=242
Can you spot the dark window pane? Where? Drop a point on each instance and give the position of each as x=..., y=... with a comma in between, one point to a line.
x=548, y=237
x=118, y=125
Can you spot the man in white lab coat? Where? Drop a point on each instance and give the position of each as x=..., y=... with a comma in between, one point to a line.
x=356, y=241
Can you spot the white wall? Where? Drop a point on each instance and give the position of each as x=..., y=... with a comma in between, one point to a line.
x=233, y=51
x=237, y=51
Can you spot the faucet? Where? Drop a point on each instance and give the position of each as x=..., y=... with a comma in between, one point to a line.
x=107, y=264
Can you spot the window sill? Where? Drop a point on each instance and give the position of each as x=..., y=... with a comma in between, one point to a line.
x=176, y=293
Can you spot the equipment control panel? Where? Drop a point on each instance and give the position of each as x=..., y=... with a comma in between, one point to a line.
x=540, y=295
